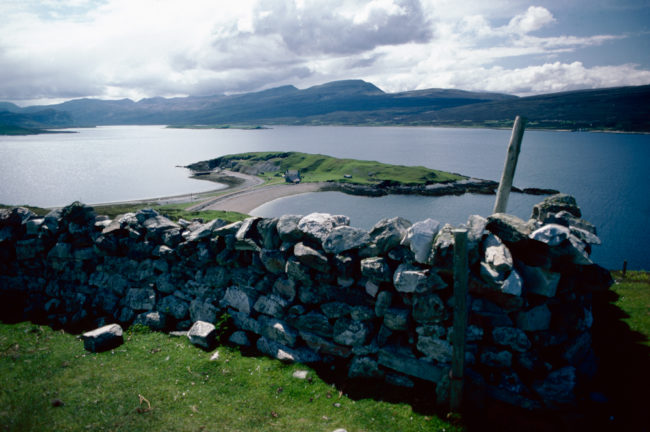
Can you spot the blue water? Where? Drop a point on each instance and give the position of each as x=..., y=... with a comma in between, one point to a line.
x=607, y=173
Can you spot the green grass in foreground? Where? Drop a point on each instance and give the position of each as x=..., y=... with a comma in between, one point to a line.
x=634, y=298
x=320, y=168
x=156, y=382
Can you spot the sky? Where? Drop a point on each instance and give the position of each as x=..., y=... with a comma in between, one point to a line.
x=56, y=50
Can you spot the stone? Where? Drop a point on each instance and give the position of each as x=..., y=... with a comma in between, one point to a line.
x=428, y=308
x=238, y=299
x=206, y=230
x=335, y=309
x=317, y=226
x=508, y=228
x=576, y=350
x=364, y=367
x=554, y=204
x=442, y=250
x=384, y=300
x=345, y=238
x=437, y=349
x=538, y=280
x=154, y=320
x=240, y=338
x=273, y=260
x=202, y=311
x=267, y=228
x=174, y=307
x=141, y=299
x=496, y=359
x=272, y=305
x=287, y=227
x=512, y=338
x=277, y=331
x=300, y=374
x=388, y=233
x=285, y=288
x=551, y=234
x=393, y=359
x=499, y=258
x=396, y=319
x=286, y=354
x=558, y=386
x=325, y=346
x=297, y=271
x=103, y=338
x=399, y=380
x=243, y=321
x=202, y=334
x=537, y=318
x=371, y=288
x=419, y=238
x=513, y=285
x=361, y=313
x=350, y=332
x=311, y=257
x=376, y=269
x=410, y=279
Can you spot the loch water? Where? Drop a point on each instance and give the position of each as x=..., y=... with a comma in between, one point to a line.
x=607, y=173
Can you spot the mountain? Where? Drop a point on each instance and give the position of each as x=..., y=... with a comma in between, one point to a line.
x=357, y=102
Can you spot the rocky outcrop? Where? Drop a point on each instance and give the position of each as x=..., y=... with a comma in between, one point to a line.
x=313, y=289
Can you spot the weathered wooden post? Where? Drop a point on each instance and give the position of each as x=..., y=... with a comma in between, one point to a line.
x=461, y=272
x=510, y=165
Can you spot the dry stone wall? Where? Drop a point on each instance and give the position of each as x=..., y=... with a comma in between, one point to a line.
x=313, y=289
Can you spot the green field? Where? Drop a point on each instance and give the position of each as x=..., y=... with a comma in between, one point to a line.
x=321, y=168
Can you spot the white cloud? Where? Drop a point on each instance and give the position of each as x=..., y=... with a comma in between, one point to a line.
x=125, y=48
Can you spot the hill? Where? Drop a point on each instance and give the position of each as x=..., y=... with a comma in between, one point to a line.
x=356, y=102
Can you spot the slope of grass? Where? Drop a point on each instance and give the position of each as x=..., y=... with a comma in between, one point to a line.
x=633, y=291
x=158, y=382
x=320, y=168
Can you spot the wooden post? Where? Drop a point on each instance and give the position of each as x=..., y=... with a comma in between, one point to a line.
x=511, y=164
x=624, y=267
x=461, y=272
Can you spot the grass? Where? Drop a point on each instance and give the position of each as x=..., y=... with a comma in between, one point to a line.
x=320, y=168
x=159, y=382
x=633, y=292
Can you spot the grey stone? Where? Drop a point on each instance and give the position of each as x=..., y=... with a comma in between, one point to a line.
x=272, y=305
x=442, y=251
x=384, y=299
x=364, y=367
x=153, y=320
x=361, y=313
x=141, y=299
x=325, y=346
x=513, y=285
x=286, y=288
x=202, y=334
x=554, y=204
x=538, y=280
x=243, y=321
x=396, y=319
x=410, y=279
x=286, y=354
x=335, y=309
x=576, y=350
x=432, y=330
x=206, y=230
x=508, y=228
x=240, y=338
x=558, y=386
x=551, y=234
x=419, y=238
x=350, y=332
x=298, y=271
x=287, y=227
x=371, y=288
x=311, y=257
x=344, y=238
x=277, y=330
x=388, y=233
x=103, y=338
x=535, y=319
x=202, y=311
x=409, y=365
x=267, y=229
x=376, y=269
x=33, y=226
x=230, y=229
x=238, y=299
x=437, y=349
x=318, y=226
x=429, y=308
x=511, y=337
x=273, y=260
x=496, y=359
x=399, y=380
x=173, y=306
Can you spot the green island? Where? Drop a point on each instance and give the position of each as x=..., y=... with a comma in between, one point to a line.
x=315, y=168
x=218, y=126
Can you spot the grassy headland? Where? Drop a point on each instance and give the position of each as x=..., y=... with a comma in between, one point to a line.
x=321, y=168
x=218, y=126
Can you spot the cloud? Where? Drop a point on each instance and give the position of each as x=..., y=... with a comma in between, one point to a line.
x=121, y=48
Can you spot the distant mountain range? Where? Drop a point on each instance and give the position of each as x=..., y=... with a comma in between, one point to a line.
x=352, y=102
